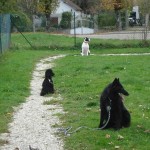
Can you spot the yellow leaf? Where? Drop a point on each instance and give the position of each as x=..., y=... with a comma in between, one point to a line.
x=107, y=136
x=117, y=147
x=147, y=131
x=120, y=137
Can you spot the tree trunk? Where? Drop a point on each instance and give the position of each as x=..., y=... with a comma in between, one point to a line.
x=126, y=19
x=47, y=22
x=33, y=22
x=146, y=26
x=118, y=20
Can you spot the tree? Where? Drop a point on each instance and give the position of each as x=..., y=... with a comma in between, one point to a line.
x=117, y=6
x=8, y=6
x=87, y=5
x=29, y=7
x=39, y=7
x=18, y=17
x=95, y=6
x=47, y=7
x=144, y=7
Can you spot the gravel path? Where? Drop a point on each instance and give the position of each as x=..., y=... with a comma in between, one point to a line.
x=33, y=121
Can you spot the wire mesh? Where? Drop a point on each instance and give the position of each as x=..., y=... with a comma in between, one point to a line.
x=5, y=27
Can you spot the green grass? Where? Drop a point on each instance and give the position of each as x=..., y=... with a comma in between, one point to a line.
x=80, y=80
x=15, y=75
x=41, y=41
x=63, y=42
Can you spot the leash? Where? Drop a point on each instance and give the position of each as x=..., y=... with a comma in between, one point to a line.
x=68, y=132
x=108, y=110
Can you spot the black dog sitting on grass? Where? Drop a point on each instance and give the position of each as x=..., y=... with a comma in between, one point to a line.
x=47, y=85
x=113, y=112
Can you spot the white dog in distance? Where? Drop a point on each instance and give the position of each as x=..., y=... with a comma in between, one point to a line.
x=85, y=47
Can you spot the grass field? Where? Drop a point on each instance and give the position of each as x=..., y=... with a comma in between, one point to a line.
x=80, y=81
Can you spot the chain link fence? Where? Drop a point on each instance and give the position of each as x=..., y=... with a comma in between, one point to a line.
x=105, y=24
x=5, y=27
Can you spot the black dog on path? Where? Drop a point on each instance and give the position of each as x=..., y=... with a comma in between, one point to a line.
x=113, y=112
x=47, y=85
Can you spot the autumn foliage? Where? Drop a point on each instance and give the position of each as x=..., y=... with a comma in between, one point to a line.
x=115, y=4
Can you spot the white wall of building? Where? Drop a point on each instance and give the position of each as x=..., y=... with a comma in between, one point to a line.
x=63, y=7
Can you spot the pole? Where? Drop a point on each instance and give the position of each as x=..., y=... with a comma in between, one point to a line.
x=74, y=31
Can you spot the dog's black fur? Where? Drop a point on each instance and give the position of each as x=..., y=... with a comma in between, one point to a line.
x=47, y=85
x=111, y=97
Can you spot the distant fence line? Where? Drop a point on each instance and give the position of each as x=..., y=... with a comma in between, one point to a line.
x=5, y=27
x=104, y=27
x=103, y=22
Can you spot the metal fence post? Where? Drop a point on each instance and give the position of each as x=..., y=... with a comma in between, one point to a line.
x=5, y=28
x=0, y=34
x=74, y=29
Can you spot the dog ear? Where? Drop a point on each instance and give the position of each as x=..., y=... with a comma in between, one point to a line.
x=115, y=82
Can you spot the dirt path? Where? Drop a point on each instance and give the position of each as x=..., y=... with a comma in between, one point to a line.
x=33, y=121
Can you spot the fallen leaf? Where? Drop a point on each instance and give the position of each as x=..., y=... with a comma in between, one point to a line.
x=110, y=143
x=117, y=147
x=120, y=137
x=107, y=136
x=147, y=131
x=9, y=113
x=143, y=115
x=139, y=126
x=88, y=109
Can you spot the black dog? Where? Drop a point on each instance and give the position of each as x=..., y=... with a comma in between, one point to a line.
x=47, y=85
x=113, y=112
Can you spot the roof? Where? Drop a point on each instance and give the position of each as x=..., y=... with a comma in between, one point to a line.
x=73, y=5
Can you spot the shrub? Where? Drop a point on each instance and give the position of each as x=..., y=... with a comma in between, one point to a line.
x=106, y=19
x=66, y=20
x=22, y=22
